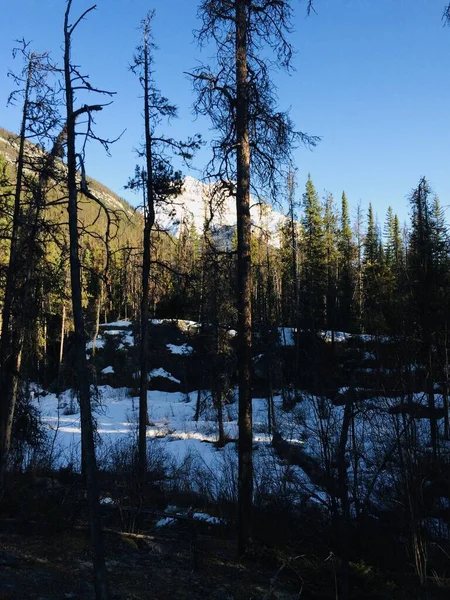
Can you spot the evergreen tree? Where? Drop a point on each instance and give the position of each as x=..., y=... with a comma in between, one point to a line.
x=330, y=223
x=347, y=275
x=372, y=285
x=428, y=276
x=254, y=139
x=394, y=281
x=314, y=269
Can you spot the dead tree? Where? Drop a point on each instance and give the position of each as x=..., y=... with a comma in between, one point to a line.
x=159, y=183
x=74, y=80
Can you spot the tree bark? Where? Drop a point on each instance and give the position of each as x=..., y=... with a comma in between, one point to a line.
x=245, y=476
x=345, y=503
x=149, y=216
x=87, y=432
x=61, y=347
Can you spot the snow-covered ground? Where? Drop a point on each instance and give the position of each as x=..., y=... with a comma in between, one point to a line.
x=171, y=416
x=187, y=446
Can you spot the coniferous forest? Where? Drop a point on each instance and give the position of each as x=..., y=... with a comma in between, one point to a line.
x=237, y=388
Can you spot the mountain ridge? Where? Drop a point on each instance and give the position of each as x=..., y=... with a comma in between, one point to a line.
x=198, y=202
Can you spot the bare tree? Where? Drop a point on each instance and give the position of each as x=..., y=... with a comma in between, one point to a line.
x=158, y=182
x=75, y=81
x=446, y=15
x=254, y=139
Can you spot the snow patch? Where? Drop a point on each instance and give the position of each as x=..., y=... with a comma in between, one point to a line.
x=183, y=349
x=117, y=324
x=108, y=371
x=162, y=373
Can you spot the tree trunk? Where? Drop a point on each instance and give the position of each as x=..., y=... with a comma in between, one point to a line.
x=149, y=216
x=245, y=477
x=345, y=504
x=61, y=348
x=87, y=432
x=97, y=320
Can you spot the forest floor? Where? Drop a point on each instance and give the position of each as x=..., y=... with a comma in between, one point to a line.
x=58, y=567
x=165, y=566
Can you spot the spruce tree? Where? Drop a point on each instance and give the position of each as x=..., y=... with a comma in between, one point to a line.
x=314, y=271
x=427, y=270
x=330, y=222
x=347, y=274
x=394, y=281
x=373, y=289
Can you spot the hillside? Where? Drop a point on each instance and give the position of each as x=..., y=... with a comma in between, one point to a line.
x=9, y=147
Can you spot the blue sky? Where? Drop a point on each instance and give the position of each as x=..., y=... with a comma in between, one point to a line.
x=372, y=78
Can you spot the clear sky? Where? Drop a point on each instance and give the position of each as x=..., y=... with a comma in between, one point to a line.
x=372, y=78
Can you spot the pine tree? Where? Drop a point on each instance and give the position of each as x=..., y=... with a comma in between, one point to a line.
x=347, y=274
x=330, y=225
x=314, y=270
x=428, y=269
x=254, y=138
x=394, y=282
x=373, y=285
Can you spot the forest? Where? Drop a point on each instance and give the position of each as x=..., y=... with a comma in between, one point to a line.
x=239, y=387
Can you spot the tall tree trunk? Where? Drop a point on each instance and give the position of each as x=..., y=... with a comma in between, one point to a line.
x=345, y=503
x=245, y=477
x=446, y=385
x=149, y=216
x=431, y=400
x=87, y=432
x=97, y=320
x=61, y=347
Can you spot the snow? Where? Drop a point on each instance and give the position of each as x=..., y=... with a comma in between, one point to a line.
x=286, y=336
x=162, y=373
x=125, y=337
x=128, y=339
x=107, y=371
x=117, y=324
x=172, y=428
x=339, y=336
x=106, y=500
x=188, y=447
x=198, y=516
x=183, y=324
x=207, y=518
x=182, y=349
x=99, y=343
x=165, y=521
x=195, y=203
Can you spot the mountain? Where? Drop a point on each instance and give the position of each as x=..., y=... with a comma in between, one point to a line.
x=198, y=202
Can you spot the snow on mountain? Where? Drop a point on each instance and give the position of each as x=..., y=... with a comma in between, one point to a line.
x=198, y=203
